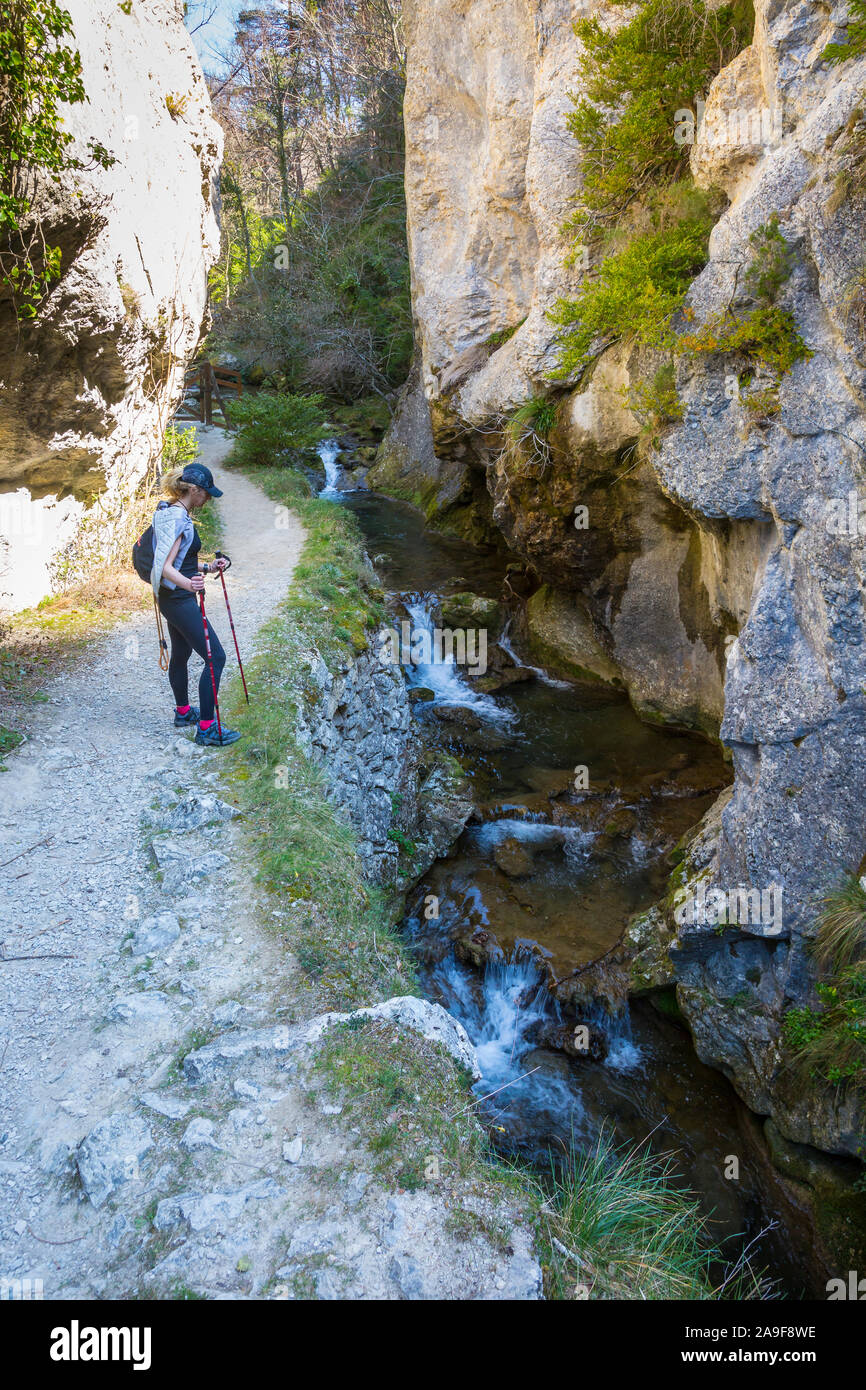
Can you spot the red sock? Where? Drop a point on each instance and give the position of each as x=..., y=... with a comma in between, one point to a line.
x=182, y=709
x=204, y=724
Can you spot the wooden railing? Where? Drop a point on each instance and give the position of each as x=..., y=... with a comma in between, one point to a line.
x=206, y=388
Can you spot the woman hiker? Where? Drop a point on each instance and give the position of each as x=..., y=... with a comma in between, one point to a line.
x=176, y=578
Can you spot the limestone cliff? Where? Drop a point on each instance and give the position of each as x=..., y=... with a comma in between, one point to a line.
x=86, y=391
x=707, y=580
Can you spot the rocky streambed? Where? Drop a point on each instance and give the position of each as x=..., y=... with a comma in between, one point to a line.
x=575, y=811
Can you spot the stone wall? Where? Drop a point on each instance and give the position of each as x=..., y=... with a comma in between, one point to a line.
x=405, y=804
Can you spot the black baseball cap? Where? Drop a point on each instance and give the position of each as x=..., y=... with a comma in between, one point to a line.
x=199, y=476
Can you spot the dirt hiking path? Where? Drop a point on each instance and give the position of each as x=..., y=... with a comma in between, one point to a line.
x=162, y=1132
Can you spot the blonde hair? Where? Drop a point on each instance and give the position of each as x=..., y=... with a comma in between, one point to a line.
x=173, y=487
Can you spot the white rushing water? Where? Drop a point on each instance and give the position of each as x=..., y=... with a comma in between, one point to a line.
x=538, y=671
x=328, y=451
x=445, y=677
x=535, y=833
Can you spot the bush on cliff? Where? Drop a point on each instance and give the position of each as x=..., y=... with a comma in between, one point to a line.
x=634, y=294
x=635, y=80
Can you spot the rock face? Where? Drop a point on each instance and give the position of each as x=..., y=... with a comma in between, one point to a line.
x=711, y=578
x=88, y=389
x=358, y=723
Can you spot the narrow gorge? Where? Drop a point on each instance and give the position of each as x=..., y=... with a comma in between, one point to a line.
x=527, y=339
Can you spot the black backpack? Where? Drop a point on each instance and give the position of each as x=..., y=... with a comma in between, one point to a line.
x=142, y=554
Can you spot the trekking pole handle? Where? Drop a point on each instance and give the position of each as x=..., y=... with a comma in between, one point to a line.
x=220, y=555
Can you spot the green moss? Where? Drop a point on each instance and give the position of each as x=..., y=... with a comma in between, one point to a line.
x=667, y=1004
x=854, y=43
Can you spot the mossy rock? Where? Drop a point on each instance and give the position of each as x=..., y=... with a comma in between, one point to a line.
x=466, y=609
x=836, y=1195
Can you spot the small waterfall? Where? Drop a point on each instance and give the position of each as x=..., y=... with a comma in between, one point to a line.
x=537, y=671
x=328, y=451
x=443, y=677
x=536, y=833
x=623, y=1054
x=500, y=1014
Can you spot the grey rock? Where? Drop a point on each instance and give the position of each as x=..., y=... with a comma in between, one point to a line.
x=155, y=934
x=195, y=811
x=230, y=1014
x=176, y=859
x=293, y=1148
x=110, y=1155
x=199, y=1134
x=147, y=1007
x=211, y=1211
x=314, y=1238
x=56, y=1157
x=170, y=1106
x=407, y=1011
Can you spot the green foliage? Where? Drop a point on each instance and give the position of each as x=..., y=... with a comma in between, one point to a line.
x=502, y=335
x=625, y=1227
x=634, y=81
x=536, y=416
x=762, y=403
x=179, y=447
x=633, y=295
x=854, y=43
x=655, y=403
x=325, y=304
x=767, y=334
x=276, y=428
x=841, y=936
x=408, y=1102
x=829, y=1044
x=772, y=262
x=38, y=74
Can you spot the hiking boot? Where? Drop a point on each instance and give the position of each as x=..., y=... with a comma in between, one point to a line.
x=210, y=738
x=192, y=716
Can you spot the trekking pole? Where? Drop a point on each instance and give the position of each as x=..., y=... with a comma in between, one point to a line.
x=210, y=664
x=160, y=634
x=221, y=556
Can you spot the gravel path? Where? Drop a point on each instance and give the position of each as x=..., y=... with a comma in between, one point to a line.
x=75, y=879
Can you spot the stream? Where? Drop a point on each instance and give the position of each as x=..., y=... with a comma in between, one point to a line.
x=577, y=804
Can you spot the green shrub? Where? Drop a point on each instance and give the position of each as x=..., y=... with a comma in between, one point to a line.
x=633, y=295
x=536, y=416
x=39, y=75
x=625, y=1224
x=325, y=302
x=655, y=403
x=634, y=81
x=829, y=1044
x=179, y=447
x=275, y=429
x=854, y=43
x=767, y=334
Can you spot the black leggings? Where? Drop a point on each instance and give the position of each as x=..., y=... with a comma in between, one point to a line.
x=182, y=614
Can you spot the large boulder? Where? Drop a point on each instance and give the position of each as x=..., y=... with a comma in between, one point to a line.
x=89, y=386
